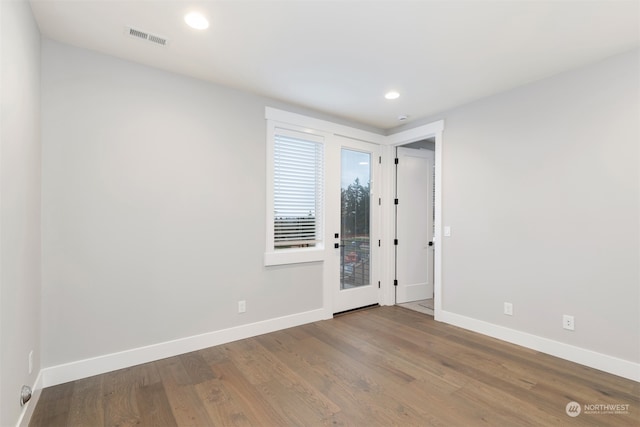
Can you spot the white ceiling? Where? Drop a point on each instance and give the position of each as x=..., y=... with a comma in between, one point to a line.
x=340, y=57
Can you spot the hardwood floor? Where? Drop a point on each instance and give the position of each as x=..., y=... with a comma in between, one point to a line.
x=384, y=366
x=424, y=306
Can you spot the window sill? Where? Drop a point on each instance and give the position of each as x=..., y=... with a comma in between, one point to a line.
x=293, y=256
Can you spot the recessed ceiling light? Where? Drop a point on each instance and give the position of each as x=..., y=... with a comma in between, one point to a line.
x=196, y=20
x=392, y=95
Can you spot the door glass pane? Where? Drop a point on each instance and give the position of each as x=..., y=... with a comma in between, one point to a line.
x=355, y=215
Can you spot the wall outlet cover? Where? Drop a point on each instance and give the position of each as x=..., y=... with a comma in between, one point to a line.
x=568, y=322
x=508, y=309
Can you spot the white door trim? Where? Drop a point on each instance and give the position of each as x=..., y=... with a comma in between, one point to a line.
x=431, y=130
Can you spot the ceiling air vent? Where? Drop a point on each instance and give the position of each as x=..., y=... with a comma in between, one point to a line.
x=156, y=39
x=152, y=38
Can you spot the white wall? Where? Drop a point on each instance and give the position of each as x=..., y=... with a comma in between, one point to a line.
x=541, y=190
x=19, y=205
x=153, y=209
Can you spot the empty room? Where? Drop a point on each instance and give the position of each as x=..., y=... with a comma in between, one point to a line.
x=301, y=212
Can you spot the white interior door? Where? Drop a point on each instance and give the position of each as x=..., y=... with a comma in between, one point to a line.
x=414, y=224
x=356, y=254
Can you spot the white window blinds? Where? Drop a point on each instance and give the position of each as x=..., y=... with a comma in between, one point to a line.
x=297, y=189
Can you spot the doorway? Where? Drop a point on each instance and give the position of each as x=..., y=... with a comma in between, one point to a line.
x=414, y=225
x=414, y=222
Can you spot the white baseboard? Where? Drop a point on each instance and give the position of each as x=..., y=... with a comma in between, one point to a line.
x=30, y=406
x=592, y=359
x=110, y=362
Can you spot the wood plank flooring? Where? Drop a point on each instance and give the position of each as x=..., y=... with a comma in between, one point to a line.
x=384, y=366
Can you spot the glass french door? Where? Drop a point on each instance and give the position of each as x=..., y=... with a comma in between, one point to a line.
x=358, y=226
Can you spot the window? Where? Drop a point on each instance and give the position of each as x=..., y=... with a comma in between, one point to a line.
x=295, y=194
x=298, y=163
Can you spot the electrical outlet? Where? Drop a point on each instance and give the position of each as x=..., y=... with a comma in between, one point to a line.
x=242, y=306
x=31, y=361
x=508, y=309
x=568, y=322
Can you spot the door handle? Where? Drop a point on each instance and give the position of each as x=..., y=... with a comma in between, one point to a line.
x=430, y=243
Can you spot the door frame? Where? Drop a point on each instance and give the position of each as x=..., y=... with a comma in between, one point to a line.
x=431, y=130
x=333, y=263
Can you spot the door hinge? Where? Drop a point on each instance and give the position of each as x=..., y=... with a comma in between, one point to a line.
x=396, y=161
x=378, y=243
x=380, y=159
x=395, y=282
x=379, y=201
x=378, y=284
x=395, y=201
x=395, y=242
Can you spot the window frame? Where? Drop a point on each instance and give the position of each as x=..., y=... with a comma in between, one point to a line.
x=281, y=256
